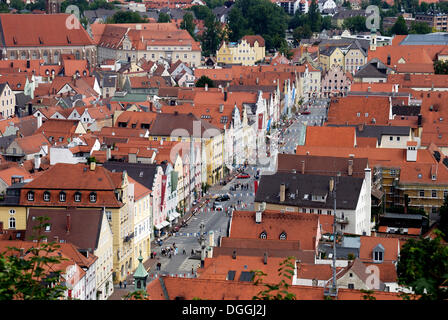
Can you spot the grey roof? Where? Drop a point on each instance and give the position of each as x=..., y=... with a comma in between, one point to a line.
x=5, y=141
x=344, y=14
x=401, y=220
x=251, y=88
x=368, y=131
x=85, y=225
x=92, y=15
x=22, y=99
x=341, y=252
x=351, y=242
x=357, y=45
x=438, y=38
x=406, y=110
x=221, y=11
x=141, y=172
x=2, y=87
x=371, y=70
x=298, y=185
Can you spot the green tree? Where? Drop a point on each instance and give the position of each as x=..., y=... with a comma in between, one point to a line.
x=201, y=12
x=202, y=81
x=163, y=18
x=17, y=4
x=420, y=28
x=27, y=277
x=423, y=266
x=277, y=291
x=355, y=24
x=314, y=17
x=300, y=33
x=347, y=4
x=188, y=24
x=126, y=17
x=4, y=8
x=103, y=4
x=81, y=4
x=399, y=28
x=212, y=36
x=440, y=67
x=260, y=17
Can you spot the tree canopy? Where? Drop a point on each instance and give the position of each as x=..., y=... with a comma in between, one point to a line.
x=126, y=17
x=399, y=28
x=203, y=80
x=258, y=17
x=163, y=18
x=188, y=24
x=423, y=266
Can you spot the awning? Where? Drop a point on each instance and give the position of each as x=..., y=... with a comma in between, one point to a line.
x=162, y=225
x=174, y=216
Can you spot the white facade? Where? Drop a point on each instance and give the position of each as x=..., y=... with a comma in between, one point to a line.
x=104, y=263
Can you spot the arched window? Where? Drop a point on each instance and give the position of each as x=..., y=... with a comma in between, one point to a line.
x=92, y=197
x=263, y=235
x=46, y=196
x=283, y=235
x=77, y=196
x=62, y=196
x=30, y=196
x=12, y=223
x=12, y=211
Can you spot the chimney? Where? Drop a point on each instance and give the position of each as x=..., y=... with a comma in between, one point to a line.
x=350, y=167
x=234, y=254
x=258, y=215
x=221, y=108
x=39, y=120
x=257, y=81
x=108, y=153
x=206, y=87
x=282, y=192
x=303, y=166
x=225, y=95
x=265, y=258
x=36, y=162
x=331, y=186
x=68, y=222
x=92, y=165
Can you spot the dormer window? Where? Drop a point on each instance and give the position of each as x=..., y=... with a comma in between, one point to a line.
x=92, y=197
x=62, y=196
x=30, y=196
x=263, y=235
x=77, y=196
x=378, y=254
x=46, y=196
x=282, y=236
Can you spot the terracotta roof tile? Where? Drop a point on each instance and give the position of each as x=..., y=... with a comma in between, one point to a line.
x=330, y=136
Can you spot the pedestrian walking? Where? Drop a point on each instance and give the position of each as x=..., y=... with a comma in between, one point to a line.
x=192, y=252
x=120, y=284
x=125, y=283
x=184, y=252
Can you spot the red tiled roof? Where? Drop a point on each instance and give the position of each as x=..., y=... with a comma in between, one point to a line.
x=359, y=110
x=330, y=136
x=35, y=30
x=77, y=177
x=391, y=248
x=297, y=226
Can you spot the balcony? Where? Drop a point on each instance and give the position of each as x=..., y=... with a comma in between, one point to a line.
x=342, y=220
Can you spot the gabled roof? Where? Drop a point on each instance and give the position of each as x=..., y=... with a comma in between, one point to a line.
x=301, y=187
x=141, y=172
x=166, y=123
x=40, y=30
x=300, y=227
x=85, y=225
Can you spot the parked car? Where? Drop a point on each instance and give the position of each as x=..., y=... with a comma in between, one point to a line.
x=217, y=207
x=224, y=197
x=243, y=176
x=306, y=112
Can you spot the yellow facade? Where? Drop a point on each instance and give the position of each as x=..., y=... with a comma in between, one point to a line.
x=13, y=217
x=335, y=58
x=240, y=53
x=142, y=215
x=214, y=153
